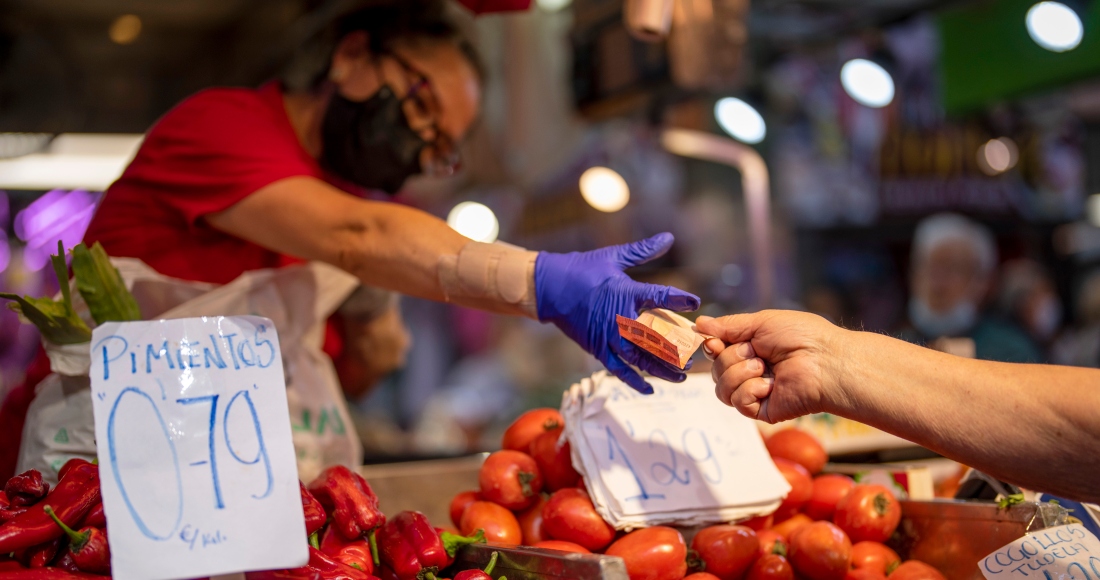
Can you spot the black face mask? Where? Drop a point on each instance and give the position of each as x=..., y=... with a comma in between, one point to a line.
x=370, y=143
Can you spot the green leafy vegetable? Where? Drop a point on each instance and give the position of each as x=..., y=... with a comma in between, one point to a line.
x=102, y=287
x=56, y=320
x=1010, y=500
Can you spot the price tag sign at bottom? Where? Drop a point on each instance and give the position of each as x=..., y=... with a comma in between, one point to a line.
x=1067, y=552
x=196, y=460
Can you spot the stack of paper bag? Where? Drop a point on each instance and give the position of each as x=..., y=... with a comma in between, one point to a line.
x=678, y=456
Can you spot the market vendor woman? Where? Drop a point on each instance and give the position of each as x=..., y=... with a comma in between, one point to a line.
x=233, y=180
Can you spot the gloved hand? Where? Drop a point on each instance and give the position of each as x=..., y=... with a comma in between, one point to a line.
x=582, y=292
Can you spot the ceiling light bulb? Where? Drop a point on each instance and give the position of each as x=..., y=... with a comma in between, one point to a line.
x=604, y=189
x=475, y=221
x=1054, y=26
x=740, y=120
x=867, y=82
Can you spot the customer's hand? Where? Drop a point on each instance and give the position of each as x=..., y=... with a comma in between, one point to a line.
x=582, y=292
x=775, y=365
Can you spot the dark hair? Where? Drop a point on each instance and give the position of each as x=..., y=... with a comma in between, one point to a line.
x=385, y=23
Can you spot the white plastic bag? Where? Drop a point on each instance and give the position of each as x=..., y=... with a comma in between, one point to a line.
x=298, y=299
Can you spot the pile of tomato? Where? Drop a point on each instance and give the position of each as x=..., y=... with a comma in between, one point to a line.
x=827, y=528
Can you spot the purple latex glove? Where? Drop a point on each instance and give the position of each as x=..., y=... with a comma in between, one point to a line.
x=582, y=292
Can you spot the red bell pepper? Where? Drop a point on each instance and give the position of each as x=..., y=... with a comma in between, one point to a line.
x=26, y=489
x=39, y=556
x=351, y=502
x=49, y=574
x=10, y=513
x=72, y=499
x=89, y=547
x=480, y=574
x=332, y=570
x=4, y=500
x=313, y=510
x=410, y=546
x=354, y=553
x=96, y=518
x=65, y=562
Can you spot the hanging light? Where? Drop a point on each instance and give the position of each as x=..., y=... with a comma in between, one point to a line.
x=740, y=120
x=125, y=29
x=997, y=156
x=553, y=5
x=1054, y=26
x=867, y=82
x=475, y=221
x=604, y=189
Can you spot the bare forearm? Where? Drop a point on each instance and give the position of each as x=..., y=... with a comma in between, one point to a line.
x=1034, y=425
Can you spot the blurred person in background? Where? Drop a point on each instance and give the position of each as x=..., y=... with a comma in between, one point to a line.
x=1080, y=346
x=954, y=262
x=1027, y=296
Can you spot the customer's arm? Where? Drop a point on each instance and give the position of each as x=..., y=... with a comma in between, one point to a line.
x=1034, y=425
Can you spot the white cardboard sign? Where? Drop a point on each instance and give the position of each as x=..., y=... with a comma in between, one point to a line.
x=1067, y=552
x=196, y=460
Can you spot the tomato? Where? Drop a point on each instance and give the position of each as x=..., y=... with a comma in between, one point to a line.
x=802, y=488
x=529, y=425
x=759, y=522
x=499, y=524
x=728, y=551
x=771, y=567
x=771, y=543
x=821, y=551
x=874, y=556
x=799, y=447
x=569, y=515
x=787, y=527
x=555, y=463
x=916, y=570
x=657, y=553
x=511, y=479
x=530, y=523
x=561, y=546
x=864, y=574
x=701, y=576
x=827, y=491
x=461, y=502
x=868, y=513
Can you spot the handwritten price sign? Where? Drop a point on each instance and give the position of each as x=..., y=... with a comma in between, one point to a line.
x=194, y=444
x=1068, y=552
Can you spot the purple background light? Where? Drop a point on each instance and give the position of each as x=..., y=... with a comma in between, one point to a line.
x=57, y=215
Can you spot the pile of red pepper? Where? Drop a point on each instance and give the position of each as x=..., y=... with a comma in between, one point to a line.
x=37, y=536
x=62, y=533
x=350, y=538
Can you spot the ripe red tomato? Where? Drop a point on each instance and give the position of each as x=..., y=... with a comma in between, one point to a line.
x=771, y=543
x=569, y=515
x=759, y=522
x=868, y=513
x=821, y=551
x=529, y=425
x=562, y=546
x=802, y=488
x=555, y=463
x=511, y=479
x=461, y=502
x=499, y=524
x=787, y=527
x=875, y=557
x=864, y=574
x=771, y=567
x=828, y=490
x=799, y=447
x=727, y=551
x=701, y=576
x=530, y=523
x=657, y=553
x=916, y=570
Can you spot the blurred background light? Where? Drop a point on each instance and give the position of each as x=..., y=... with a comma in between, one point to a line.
x=475, y=221
x=1092, y=209
x=604, y=189
x=998, y=155
x=71, y=161
x=740, y=120
x=732, y=275
x=553, y=5
x=1054, y=26
x=867, y=82
x=57, y=215
x=125, y=29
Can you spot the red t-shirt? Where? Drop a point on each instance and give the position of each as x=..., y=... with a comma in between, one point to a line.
x=209, y=152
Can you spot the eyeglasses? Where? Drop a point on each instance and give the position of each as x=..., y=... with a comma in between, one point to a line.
x=420, y=105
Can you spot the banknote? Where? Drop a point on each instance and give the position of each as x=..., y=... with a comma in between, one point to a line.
x=664, y=334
